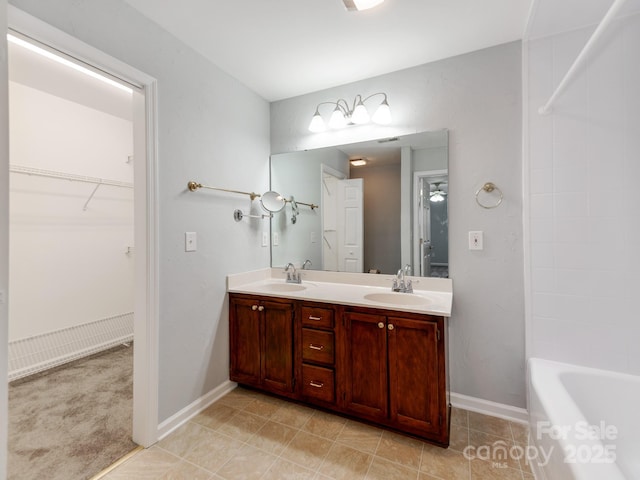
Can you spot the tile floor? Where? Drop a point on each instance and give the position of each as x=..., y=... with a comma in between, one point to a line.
x=248, y=435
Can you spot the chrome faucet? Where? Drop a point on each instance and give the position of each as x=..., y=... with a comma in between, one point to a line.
x=400, y=283
x=306, y=263
x=292, y=275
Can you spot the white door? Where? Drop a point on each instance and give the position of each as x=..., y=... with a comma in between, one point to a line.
x=349, y=226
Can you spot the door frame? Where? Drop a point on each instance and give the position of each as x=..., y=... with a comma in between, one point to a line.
x=146, y=303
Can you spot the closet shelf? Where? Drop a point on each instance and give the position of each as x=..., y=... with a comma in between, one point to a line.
x=71, y=177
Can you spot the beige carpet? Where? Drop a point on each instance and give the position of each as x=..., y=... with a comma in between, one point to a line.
x=71, y=422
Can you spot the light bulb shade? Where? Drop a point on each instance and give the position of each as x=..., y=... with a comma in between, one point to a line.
x=360, y=114
x=365, y=4
x=437, y=196
x=383, y=114
x=317, y=124
x=337, y=119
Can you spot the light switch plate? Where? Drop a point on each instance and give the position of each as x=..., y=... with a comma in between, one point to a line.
x=276, y=239
x=476, y=240
x=190, y=241
x=265, y=239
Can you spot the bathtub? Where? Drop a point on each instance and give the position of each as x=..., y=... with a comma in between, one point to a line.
x=584, y=422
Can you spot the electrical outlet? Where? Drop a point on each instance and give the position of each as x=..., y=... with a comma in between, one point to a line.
x=190, y=241
x=265, y=239
x=475, y=241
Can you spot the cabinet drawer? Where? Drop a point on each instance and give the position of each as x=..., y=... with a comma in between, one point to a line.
x=318, y=383
x=317, y=346
x=317, y=317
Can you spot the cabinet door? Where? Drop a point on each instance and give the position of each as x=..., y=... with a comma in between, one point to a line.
x=245, y=341
x=414, y=374
x=277, y=358
x=366, y=365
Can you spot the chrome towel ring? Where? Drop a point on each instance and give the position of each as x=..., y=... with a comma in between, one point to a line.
x=489, y=188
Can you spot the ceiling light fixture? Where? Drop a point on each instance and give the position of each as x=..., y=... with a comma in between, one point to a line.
x=358, y=114
x=358, y=162
x=357, y=5
x=437, y=195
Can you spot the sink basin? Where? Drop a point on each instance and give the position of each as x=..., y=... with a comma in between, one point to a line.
x=283, y=287
x=397, y=298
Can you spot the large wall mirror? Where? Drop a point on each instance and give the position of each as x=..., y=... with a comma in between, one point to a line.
x=373, y=206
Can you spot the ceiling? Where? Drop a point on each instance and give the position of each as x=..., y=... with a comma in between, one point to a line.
x=284, y=48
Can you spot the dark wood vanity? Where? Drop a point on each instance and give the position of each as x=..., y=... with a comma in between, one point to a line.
x=381, y=366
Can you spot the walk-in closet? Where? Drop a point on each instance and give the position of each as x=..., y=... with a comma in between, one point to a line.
x=71, y=271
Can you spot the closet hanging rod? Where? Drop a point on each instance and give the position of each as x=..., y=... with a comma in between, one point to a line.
x=67, y=176
x=604, y=23
x=193, y=186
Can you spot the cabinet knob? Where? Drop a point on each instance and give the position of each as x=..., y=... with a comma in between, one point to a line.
x=254, y=307
x=380, y=324
x=390, y=326
x=260, y=308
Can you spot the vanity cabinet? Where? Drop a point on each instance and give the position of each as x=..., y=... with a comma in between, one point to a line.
x=382, y=366
x=261, y=342
x=395, y=372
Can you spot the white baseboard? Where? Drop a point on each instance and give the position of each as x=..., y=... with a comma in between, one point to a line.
x=193, y=409
x=488, y=407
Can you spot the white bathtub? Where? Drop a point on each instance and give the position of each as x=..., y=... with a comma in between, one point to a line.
x=585, y=423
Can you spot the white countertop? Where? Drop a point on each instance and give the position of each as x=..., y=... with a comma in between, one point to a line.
x=432, y=296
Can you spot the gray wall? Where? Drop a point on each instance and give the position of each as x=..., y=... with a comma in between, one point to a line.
x=211, y=129
x=4, y=237
x=478, y=98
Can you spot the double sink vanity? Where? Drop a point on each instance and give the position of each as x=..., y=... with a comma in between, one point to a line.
x=347, y=343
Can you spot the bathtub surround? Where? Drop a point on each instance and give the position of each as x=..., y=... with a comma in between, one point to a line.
x=582, y=171
x=73, y=421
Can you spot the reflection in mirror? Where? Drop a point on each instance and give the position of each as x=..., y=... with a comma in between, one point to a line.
x=374, y=216
x=272, y=201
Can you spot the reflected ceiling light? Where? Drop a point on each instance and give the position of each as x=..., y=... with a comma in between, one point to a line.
x=438, y=194
x=59, y=59
x=357, y=5
x=357, y=114
x=358, y=162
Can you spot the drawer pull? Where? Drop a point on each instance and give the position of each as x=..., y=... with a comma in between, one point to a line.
x=315, y=384
x=313, y=346
x=317, y=319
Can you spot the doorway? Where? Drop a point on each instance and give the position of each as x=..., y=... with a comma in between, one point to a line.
x=145, y=330
x=430, y=223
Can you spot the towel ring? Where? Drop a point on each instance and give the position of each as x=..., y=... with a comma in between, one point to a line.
x=488, y=187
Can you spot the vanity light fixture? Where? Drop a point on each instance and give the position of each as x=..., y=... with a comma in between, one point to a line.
x=357, y=114
x=358, y=162
x=357, y=5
